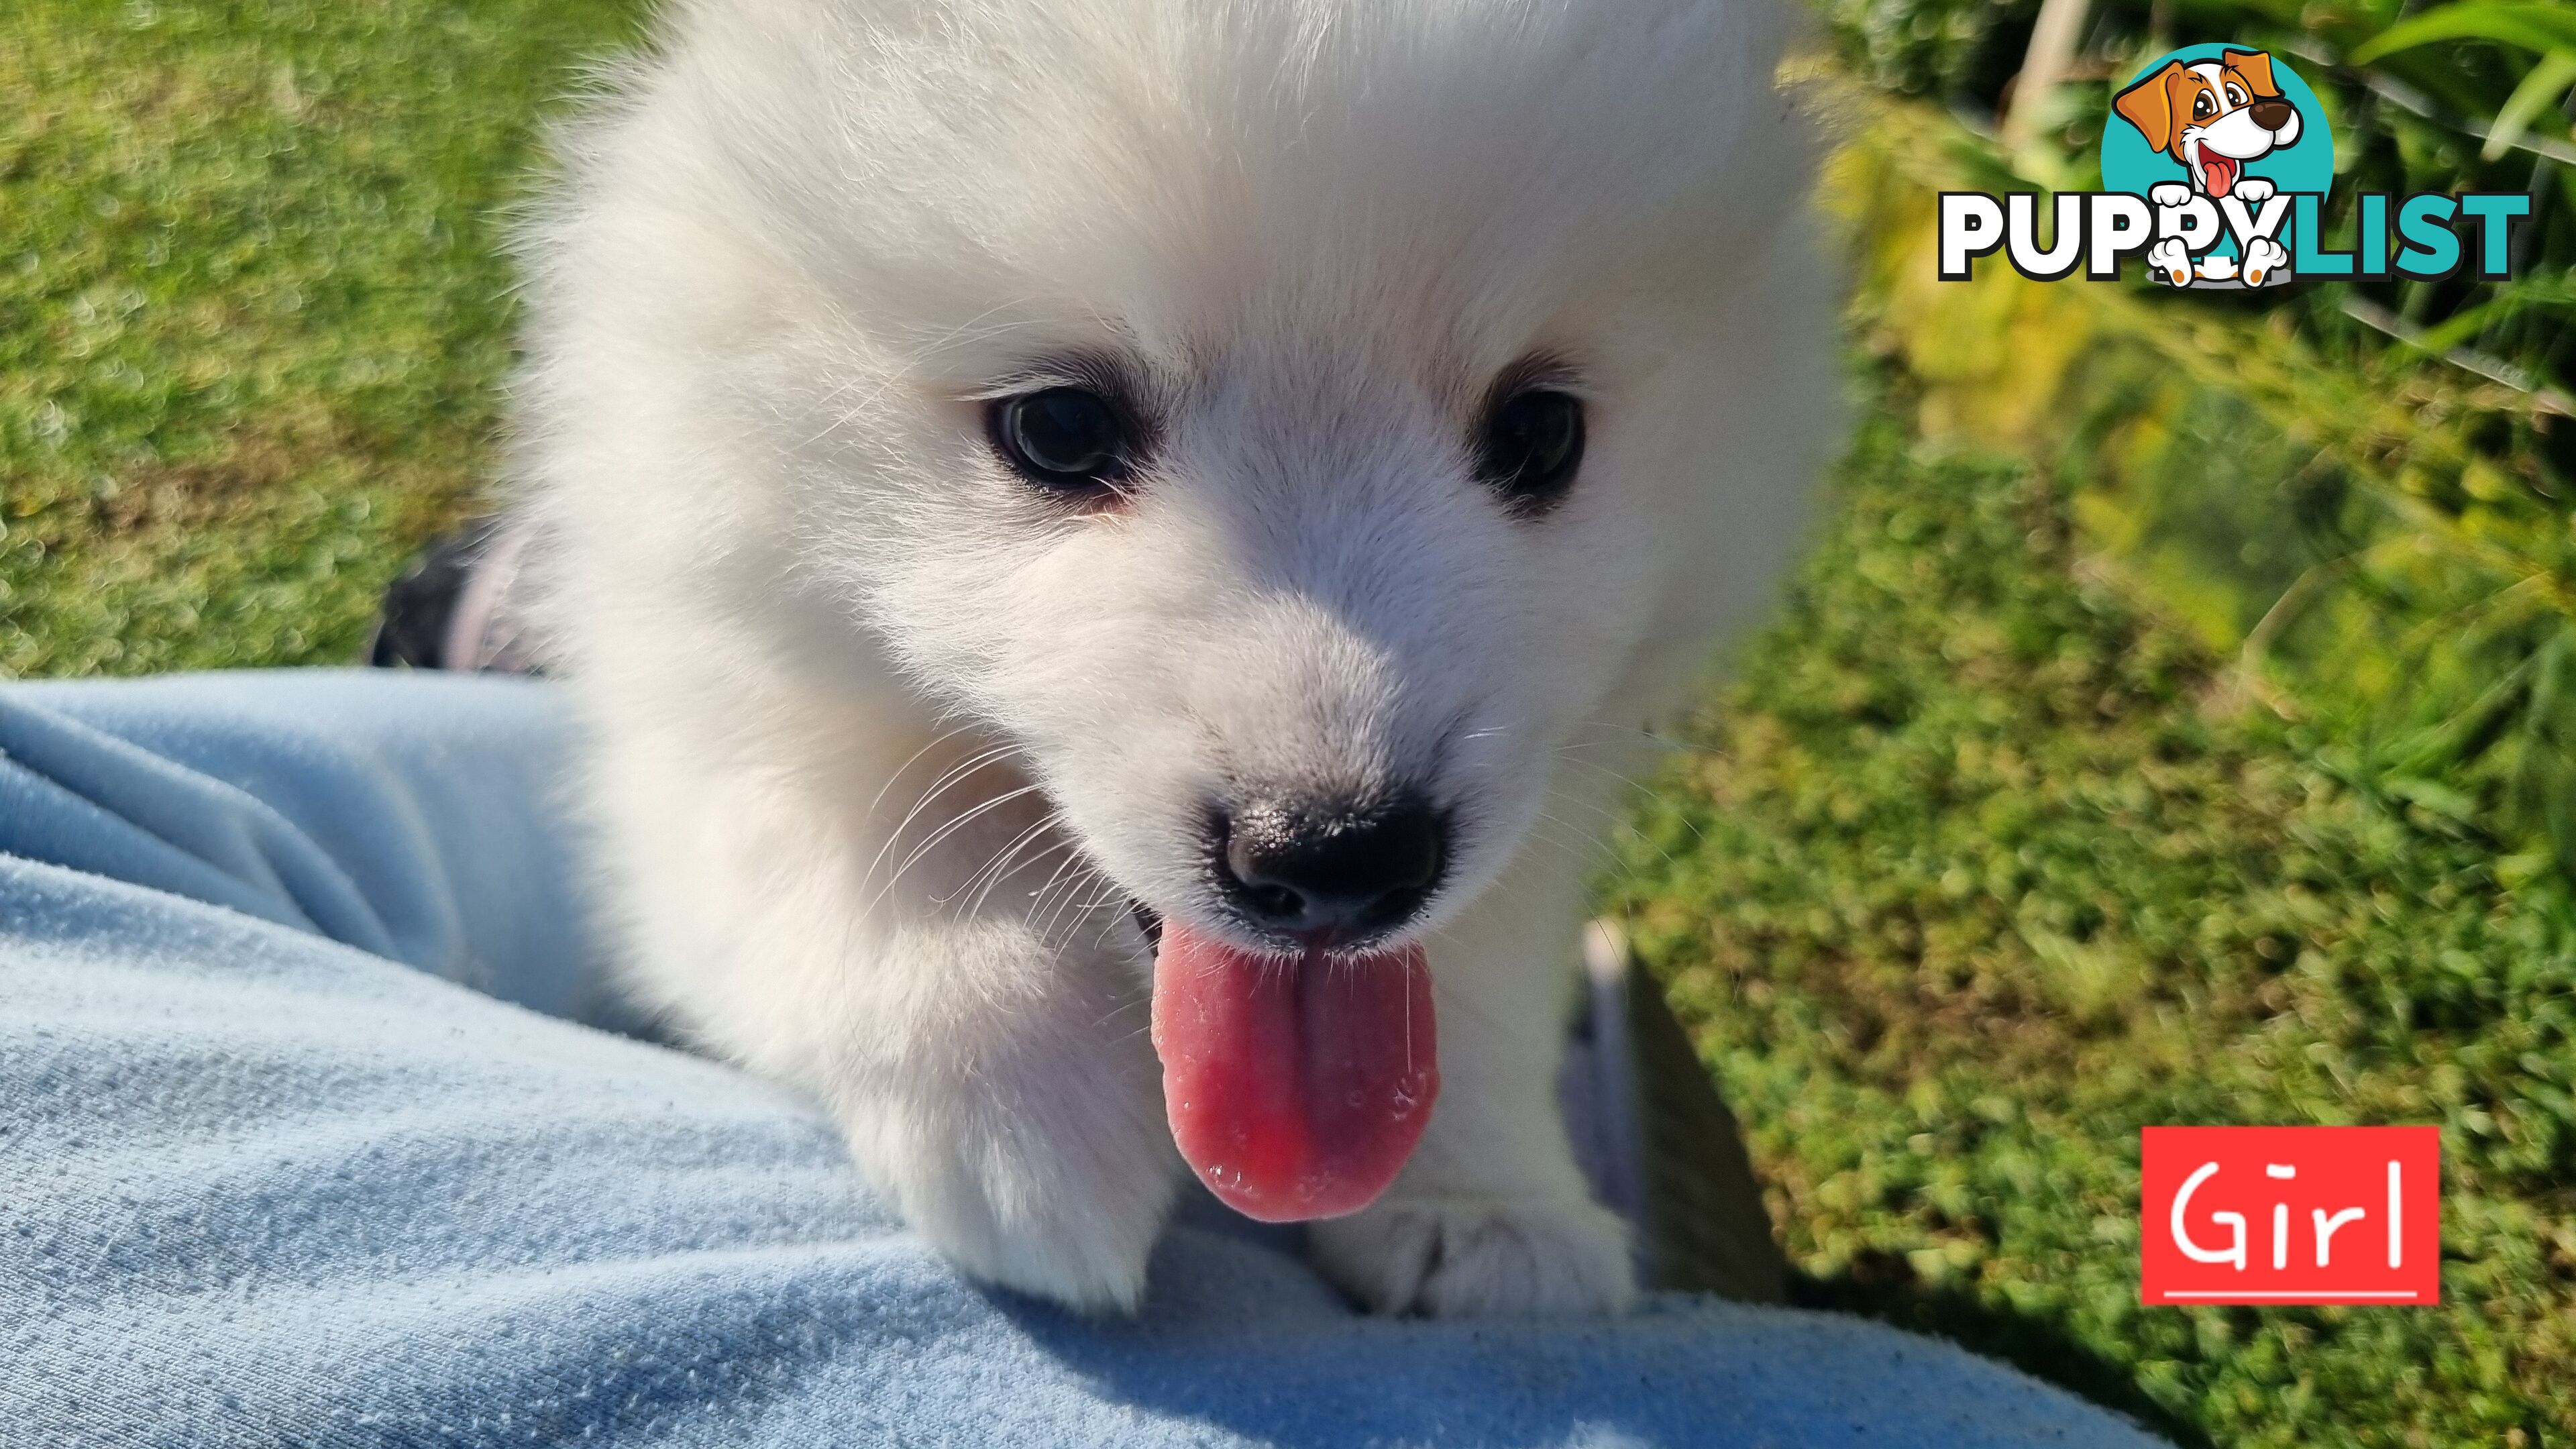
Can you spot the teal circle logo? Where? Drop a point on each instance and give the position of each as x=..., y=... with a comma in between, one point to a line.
x=2205, y=126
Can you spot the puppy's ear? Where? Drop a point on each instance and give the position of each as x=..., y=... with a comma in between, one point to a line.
x=2148, y=105
x=2256, y=68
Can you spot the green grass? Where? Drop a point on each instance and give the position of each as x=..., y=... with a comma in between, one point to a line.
x=252, y=317
x=1981, y=869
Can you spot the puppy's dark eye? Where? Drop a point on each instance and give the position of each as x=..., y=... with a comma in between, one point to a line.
x=1065, y=439
x=1531, y=445
x=2200, y=106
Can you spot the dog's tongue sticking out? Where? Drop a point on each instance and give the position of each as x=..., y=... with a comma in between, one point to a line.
x=1296, y=1089
x=2218, y=173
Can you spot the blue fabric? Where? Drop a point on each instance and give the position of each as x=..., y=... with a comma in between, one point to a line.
x=297, y=1148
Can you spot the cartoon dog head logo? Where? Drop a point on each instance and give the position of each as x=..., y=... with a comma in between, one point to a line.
x=2227, y=145
x=2212, y=116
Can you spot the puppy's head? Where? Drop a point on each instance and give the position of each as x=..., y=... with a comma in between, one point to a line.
x=1289, y=424
x=2212, y=116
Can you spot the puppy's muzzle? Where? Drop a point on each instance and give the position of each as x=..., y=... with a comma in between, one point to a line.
x=1327, y=874
x=2272, y=115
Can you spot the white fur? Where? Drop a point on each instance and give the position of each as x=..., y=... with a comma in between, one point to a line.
x=885, y=741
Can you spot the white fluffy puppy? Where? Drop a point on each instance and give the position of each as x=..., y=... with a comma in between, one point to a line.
x=1085, y=528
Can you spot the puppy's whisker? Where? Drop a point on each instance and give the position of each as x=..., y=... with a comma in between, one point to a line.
x=947, y=781
x=1627, y=781
x=1563, y=835
x=1005, y=862
x=1607, y=814
x=1110, y=920
x=993, y=867
x=1620, y=824
x=923, y=801
x=1072, y=877
x=945, y=831
x=1090, y=895
x=1624, y=732
x=1069, y=851
x=939, y=738
x=956, y=823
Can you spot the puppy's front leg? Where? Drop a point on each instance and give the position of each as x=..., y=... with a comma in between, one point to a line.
x=930, y=966
x=1493, y=1215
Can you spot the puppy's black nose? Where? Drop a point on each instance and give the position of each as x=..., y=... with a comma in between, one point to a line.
x=2272, y=115
x=1335, y=871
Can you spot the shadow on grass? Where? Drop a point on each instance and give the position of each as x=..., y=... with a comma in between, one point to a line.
x=1884, y=1287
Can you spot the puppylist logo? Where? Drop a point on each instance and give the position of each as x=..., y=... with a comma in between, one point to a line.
x=2216, y=163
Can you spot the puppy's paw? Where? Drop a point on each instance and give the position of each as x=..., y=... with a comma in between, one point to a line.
x=1457, y=1258
x=2263, y=257
x=2252, y=190
x=1017, y=1118
x=1071, y=1221
x=2169, y=193
x=2173, y=259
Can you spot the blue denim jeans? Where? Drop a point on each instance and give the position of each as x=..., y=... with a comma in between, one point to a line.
x=308, y=1135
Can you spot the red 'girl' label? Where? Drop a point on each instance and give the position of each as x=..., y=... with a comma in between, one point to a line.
x=2263, y=1215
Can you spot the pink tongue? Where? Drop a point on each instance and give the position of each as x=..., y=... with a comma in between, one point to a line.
x=1295, y=1089
x=2219, y=172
